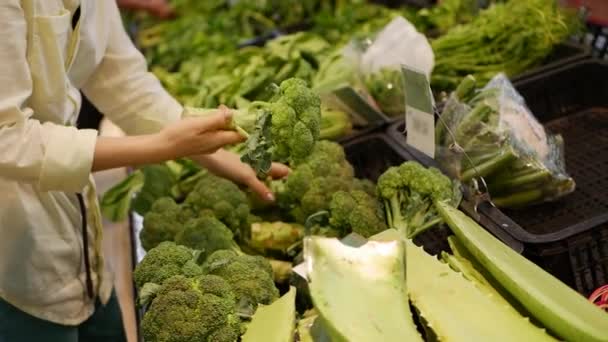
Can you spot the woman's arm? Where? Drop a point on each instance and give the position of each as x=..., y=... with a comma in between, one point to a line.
x=191, y=136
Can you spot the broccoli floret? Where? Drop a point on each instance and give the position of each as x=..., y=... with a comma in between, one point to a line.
x=285, y=128
x=358, y=212
x=192, y=309
x=224, y=200
x=164, y=220
x=409, y=192
x=206, y=234
x=164, y=261
x=309, y=187
x=250, y=277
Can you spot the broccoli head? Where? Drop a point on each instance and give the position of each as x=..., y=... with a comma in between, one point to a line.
x=409, y=192
x=251, y=277
x=356, y=211
x=287, y=127
x=164, y=261
x=309, y=187
x=192, y=309
x=162, y=222
x=223, y=199
x=206, y=234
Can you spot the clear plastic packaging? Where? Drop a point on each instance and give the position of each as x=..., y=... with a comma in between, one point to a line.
x=379, y=60
x=491, y=133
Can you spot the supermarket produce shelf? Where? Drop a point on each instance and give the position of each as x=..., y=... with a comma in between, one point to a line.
x=567, y=237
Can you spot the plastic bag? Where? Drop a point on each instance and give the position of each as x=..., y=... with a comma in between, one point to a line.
x=380, y=58
x=491, y=133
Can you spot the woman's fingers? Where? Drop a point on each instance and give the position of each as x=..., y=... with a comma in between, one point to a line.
x=278, y=171
x=219, y=121
x=212, y=141
x=260, y=189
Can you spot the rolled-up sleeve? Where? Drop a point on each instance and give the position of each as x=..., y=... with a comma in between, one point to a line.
x=124, y=90
x=47, y=155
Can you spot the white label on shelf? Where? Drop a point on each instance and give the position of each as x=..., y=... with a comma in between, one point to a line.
x=419, y=117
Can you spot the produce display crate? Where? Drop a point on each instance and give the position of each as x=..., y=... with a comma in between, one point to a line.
x=373, y=154
x=568, y=237
x=564, y=54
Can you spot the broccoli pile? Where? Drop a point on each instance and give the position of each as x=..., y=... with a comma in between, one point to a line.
x=165, y=261
x=162, y=222
x=194, y=302
x=185, y=309
x=212, y=199
x=223, y=199
x=410, y=191
x=358, y=212
x=250, y=277
x=309, y=187
x=206, y=234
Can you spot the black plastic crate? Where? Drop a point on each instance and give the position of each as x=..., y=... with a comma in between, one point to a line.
x=373, y=154
x=563, y=54
x=568, y=237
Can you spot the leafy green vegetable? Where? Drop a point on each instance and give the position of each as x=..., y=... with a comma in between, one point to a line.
x=387, y=88
x=116, y=202
x=520, y=162
x=559, y=308
x=441, y=295
x=494, y=42
x=275, y=322
x=374, y=276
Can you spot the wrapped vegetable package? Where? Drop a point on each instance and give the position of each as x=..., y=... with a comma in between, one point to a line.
x=495, y=136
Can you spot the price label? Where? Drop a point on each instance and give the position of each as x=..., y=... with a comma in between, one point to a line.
x=419, y=117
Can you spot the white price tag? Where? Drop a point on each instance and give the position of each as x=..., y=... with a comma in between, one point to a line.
x=419, y=117
x=421, y=131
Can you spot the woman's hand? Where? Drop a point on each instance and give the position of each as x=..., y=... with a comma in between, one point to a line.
x=158, y=8
x=199, y=135
x=228, y=165
x=187, y=137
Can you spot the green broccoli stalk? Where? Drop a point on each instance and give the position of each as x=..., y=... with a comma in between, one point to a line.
x=202, y=308
x=285, y=128
x=206, y=234
x=251, y=278
x=274, y=237
x=164, y=261
x=409, y=192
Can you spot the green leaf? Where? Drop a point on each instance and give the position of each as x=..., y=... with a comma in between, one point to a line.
x=148, y=293
x=116, y=202
x=275, y=322
x=457, y=310
x=548, y=300
x=360, y=292
x=158, y=181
